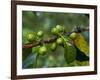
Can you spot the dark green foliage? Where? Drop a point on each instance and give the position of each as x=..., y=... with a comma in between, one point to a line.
x=26, y=53
x=69, y=53
x=80, y=56
x=29, y=61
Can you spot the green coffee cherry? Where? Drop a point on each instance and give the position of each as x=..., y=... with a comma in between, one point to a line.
x=59, y=41
x=43, y=50
x=53, y=46
x=40, y=33
x=73, y=35
x=54, y=31
x=31, y=37
x=59, y=28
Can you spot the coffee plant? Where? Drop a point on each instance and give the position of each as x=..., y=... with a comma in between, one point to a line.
x=50, y=39
x=75, y=47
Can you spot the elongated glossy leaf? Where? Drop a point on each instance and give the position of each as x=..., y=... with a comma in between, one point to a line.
x=69, y=53
x=80, y=56
x=26, y=52
x=82, y=44
x=83, y=63
x=29, y=61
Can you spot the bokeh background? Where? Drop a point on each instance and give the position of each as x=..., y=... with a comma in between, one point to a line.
x=34, y=21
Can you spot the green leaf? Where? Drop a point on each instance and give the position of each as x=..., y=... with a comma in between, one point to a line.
x=84, y=63
x=80, y=56
x=82, y=44
x=29, y=61
x=69, y=53
x=26, y=52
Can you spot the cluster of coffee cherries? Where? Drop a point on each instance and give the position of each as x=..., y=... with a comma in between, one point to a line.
x=42, y=49
x=32, y=37
x=57, y=31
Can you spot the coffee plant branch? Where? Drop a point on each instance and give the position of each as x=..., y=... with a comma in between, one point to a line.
x=53, y=39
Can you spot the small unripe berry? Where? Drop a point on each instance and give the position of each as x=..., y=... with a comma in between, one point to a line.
x=54, y=31
x=59, y=28
x=31, y=37
x=53, y=46
x=59, y=40
x=43, y=50
x=73, y=35
x=40, y=34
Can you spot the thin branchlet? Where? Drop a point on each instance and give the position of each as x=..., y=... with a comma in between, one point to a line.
x=53, y=39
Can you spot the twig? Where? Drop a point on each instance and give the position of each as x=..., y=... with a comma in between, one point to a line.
x=50, y=40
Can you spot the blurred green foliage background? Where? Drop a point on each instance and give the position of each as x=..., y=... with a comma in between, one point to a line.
x=34, y=21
